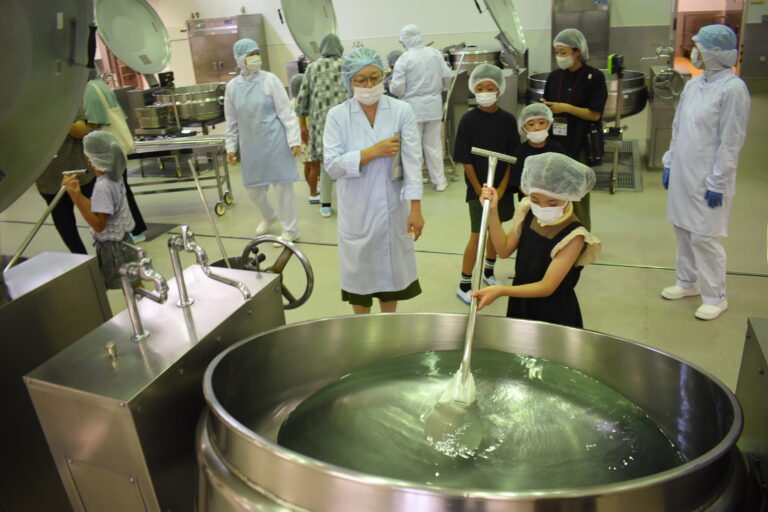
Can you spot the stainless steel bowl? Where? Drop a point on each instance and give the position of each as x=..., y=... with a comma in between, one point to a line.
x=201, y=102
x=253, y=386
x=634, y=92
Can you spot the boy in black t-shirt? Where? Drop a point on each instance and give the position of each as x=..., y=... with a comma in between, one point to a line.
x=488, y=127
x=533, y=124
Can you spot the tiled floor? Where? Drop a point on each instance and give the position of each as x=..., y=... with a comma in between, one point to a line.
x=619, y=295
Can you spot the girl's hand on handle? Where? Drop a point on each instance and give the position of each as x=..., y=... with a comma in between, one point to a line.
x=70, y=181
x=295, y=151
x=387, y=147
x=491, y=194
x=231, y=158
x=487, y=295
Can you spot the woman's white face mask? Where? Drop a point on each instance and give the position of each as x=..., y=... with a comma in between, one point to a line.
x=549, y=214
x=486, y=99
x=564, y=62
x=253, y=63
x=369, y=95
x=696, y=59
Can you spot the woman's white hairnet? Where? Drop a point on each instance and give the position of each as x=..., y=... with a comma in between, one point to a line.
x=718, y=45
x=242, y=48
x=573, y=38
x=485, y=72
x=533, y=111
x=410, y=36
x=330, y=46
x=357, y=60
x=556, y=175
x=295, y=84
x=105, y=154
x=393, y=56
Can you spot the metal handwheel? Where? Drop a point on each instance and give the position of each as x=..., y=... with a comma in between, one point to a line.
x=252, y=260
x=668, y=84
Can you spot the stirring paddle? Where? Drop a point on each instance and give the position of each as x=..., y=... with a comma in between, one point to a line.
x=455, y=417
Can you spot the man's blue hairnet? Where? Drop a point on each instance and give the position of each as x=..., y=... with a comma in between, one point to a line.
x=330, y=46
x=393, y=56
x=244, y=47
x=295, y=84
x=357, y=60
x=716, y=37
x=105, y=154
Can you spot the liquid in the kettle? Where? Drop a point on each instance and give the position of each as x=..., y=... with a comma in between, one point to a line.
x=545, y=426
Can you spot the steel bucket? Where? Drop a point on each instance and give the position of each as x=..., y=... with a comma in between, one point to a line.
x=252, y=387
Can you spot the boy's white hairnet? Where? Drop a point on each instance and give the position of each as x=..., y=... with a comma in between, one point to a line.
x=556, y=175
x=393, y=56
x=718, y=45
x=295, y=84
x=105, y=154
x=533, y=111
x=243, y=47
x=485, y=72
x=573, y=38
x=357, y=60
x=330, y=46
x=410, y=36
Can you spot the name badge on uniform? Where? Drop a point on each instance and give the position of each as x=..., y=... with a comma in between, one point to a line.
x=560, y=126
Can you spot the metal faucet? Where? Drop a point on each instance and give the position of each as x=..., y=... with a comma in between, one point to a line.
x=186, y=242
x=662, y=52
x=142, y=270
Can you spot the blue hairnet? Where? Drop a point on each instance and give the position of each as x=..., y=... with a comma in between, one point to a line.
x=330, y=46
x=716, y=37
x=556, y=175
x=357, y=60
x=295, y=84
x=410, y=36
x=533, y=111
x=244, y=47
x=393, y=56
x=105, y=154
x=485, y=72
x=573, y=38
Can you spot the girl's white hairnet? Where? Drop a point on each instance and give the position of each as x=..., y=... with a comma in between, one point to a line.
x=105, y=154
x=718, y=45
x=295, y=84
x=243, y=47
x=485, y=72
x=556, y=175
x=330, y=46
x=573, y=38
x=410, y=36
x=533, y=111
x=357, y=60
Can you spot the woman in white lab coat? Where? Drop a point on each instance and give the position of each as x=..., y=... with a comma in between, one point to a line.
x=700, y=169
x=376, y=227
x=262, y=123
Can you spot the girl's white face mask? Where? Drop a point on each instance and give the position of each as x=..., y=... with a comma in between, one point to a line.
x=549, y=214
x=486, y=99
x=565, y=62
x=369, y=95
x=253, y=63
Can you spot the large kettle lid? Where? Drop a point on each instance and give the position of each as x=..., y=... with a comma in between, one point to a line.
x=505, y=16
x=309, y=21
x=134, y=32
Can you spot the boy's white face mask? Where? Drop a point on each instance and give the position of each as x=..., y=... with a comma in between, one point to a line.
x=537, y=137
x=486, y=99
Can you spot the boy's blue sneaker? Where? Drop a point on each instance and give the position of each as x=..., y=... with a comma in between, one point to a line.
x=137, y=239
x=466, y=297
x=325, y=211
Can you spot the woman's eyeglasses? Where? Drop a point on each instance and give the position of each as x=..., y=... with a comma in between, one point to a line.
x=362, y=80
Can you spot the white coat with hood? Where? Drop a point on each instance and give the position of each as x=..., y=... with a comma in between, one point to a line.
x=375, y=252
x=707, y=134
x=419, y=77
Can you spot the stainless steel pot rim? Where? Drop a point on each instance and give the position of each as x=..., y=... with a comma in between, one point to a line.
x=719, y=451
x=475, y=50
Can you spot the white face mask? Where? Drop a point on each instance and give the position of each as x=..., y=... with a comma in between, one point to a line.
x=564, y=62
x=253, y=63
x=369, y=95
x=486, y=99
x=549, y=214
x=537, y=137
x=696, y=59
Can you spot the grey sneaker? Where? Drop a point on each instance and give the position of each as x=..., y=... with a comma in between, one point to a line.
x=466, y=297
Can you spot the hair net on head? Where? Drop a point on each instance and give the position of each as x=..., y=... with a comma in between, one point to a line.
x=410, y=36
x=295, y=84
x=242, y=48
x=485, y=72
x=718, y=45
x=393, y=56
x=105, y=154
x=533, y=111
x=330, y=46
x=357, y=60
x=573, y=38
x=556, y=175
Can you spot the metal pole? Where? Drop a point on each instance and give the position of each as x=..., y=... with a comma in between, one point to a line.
x=35, y=229
x=193, y=169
